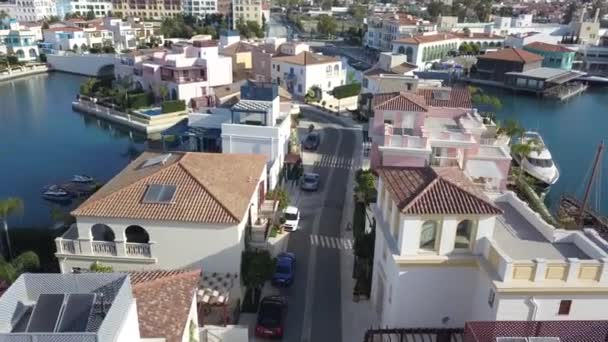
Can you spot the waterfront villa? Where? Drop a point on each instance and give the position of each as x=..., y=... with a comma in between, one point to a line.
x=555, y=55
x=494, y=65
x=446, y=254
x=298, y=73
x=187, y=70
x=390, y=69
x=384, y=28
x=18, y=41
x=101, y=307
x=64, y=38
x=170, y=211
x=438, y=127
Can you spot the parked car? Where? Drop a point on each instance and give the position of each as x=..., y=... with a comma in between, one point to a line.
x=310, y=181
x=312, y=141
x=271, y=317
x=292, y=218
x=286, y=269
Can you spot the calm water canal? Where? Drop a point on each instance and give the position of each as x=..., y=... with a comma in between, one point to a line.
x=42, y=141
x=572, y=130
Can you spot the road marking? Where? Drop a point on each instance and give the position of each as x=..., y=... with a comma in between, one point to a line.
x=331, y=242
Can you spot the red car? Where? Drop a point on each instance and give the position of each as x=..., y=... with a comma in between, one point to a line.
x=271, y=317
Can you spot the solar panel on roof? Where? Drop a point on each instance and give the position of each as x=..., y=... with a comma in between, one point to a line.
x=162, y=159
x=46, y=313
x=159, y=193
x=77, y=312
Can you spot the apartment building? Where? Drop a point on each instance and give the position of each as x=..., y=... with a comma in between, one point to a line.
x=35, y=10
x=299, y=73
x=392, y=70
x=200, y=8
x=18, y=40
x=99, y=7
x=78, y=39
x=438, y=127
x=188, y=70
x=169, y=211
x=250, y=10
x=154, y=9
x=446, y=254
x=383, y=29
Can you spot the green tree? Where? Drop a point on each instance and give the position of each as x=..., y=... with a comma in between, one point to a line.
x=242, y=27
x=327, y=25
x=435, y=9
x=90, y=15
x=163, y=92
x=483, y=9
x=510, y=128
x=3, y=14
x=100, y=268
x=8, y=207
x=366, y=186
x=264, y=23
x=256, y=269
x=358, y=12
x=279, y=194
x=569, y=15
x=505, y=11
x=25, y=262
x=254, y=29
x=465, y=49
x=86, y=88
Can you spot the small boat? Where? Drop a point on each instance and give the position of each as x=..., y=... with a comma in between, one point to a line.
x=82, y=179
x=56, y=193
x=539, y=163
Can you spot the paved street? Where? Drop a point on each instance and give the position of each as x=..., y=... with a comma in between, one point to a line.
x=315, y=312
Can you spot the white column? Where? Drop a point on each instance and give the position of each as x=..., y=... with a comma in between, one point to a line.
x=573, y=269
x=604, y=271
x=540, y=270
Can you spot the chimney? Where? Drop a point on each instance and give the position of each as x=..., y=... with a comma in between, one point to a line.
x=597, y=15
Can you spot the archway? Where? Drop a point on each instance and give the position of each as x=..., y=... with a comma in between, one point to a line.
x=33, y=53
x=173, y=94
x=136, y=234
x=409, y=52
x=106, y=71
x=102, y=232
x=464, y=232
x=20, y=54
x=401, y=50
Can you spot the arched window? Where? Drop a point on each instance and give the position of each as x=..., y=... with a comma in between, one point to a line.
x=409, y=52
x=464, y=232
x=33, y=53
x=336, y=70
x=20, y=54
x=102, y=232
x=428, y=235
x=173, y=94
x=328, y=70
x=401, y=50
x=137, y=234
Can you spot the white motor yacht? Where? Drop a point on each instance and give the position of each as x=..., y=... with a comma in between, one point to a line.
x=539, y=163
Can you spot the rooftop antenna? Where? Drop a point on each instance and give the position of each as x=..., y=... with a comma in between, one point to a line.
x=596, y=163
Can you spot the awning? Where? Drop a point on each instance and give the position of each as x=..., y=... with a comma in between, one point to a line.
x=483, y=168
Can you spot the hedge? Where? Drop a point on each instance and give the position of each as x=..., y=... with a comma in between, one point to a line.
x=347, y=90
x=140, y=100
x=173, y=106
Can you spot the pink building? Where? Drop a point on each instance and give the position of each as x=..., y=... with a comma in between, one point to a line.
x=438, y=127
x=187, y=70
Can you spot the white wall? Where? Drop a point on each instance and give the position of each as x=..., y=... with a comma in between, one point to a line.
x=192, y=317
x=584, y=307
x=80, y=64
x=219, y=71
x=129, y=330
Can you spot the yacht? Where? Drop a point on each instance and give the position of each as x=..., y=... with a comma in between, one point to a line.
x=538, y=164
x=82, y=179
x=56, y=193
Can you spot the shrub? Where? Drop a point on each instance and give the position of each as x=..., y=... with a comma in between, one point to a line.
x=280, y=195
x=42, y=58
x=140, y=100
x=346, y=90
x=173, y=106
x=12, y=60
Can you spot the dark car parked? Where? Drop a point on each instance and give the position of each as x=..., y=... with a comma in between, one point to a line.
x=312, y=141
x=271, y=317
x=310, y=181
x=286, y=269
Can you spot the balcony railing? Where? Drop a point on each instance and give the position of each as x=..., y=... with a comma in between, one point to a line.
x=406, y=141
x=138, y=249
x=451, y=136
x=445, y=161
x=182, y=79
x=103, y=248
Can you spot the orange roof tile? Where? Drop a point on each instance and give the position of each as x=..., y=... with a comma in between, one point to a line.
x=416, y=40
x=211, y=187
x=459, y=97
x=307, y=58
x=548, y=47
x=402, y=101
x=512, y=55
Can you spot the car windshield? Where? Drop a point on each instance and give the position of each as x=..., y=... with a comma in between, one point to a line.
x=270, y=315
x=540, y=162
x=312, y=138
x=282, y=269
x=310, y=179
x=291, y=217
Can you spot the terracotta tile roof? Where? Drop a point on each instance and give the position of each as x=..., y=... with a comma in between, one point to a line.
x=163, y=300
x=402, y=101
x=211, y=188
x=512, y=55
x=64, y=29
x=459, y=97
x=237, y=47
x=548, y=47
x=399, y=69
x=427, y=39
x=307, y=58
x=435, y=191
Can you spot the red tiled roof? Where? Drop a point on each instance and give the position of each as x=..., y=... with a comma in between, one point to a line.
x=512, y=55
x=64, y=29
x=426, y=39
x=163, y=300
x=210, y=187
x=548, y=47
x=307, y=58
x=435, y=191
x=459, y=97
x=399, y=101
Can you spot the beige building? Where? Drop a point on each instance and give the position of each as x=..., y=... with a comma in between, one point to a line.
x=587, y=32
x=155, y=9
x=250, y=10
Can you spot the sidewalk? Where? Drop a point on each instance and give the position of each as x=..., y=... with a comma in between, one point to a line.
x=357, y=318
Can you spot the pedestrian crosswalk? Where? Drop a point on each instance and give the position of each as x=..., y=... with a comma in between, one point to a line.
x=331, y=242
x=337, y=162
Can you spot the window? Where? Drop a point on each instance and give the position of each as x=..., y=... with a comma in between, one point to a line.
x=464, y=231
x=428, y=235
x=388, y=122
x=299, y=88
x=328, y=85
x=396, y=225
x=564, y=307
x=491, y=298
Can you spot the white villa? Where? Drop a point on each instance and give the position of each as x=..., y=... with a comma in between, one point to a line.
x=170, y=211
x=299, y=73
x=446, y=254
x=188, y=70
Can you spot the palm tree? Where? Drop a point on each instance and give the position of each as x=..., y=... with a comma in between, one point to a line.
x=123, y=85
x=25, y=262
x=511, y=128
x=11, y=205
x=163, y=91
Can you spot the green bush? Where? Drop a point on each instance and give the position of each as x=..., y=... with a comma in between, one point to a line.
x=346, y=90
x=173, y=106
x=42, y=58
x=140, y=100
x=280, y=195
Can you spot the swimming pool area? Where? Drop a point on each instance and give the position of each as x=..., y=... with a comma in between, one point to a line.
x=151, y=111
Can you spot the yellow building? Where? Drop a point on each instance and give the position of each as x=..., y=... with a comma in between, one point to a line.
x=250, y=10
x=155, y=9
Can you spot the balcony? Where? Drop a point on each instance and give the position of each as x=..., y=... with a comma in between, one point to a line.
x=402, y=140
x=261, y=225
x=450, y=139
x=71, y=244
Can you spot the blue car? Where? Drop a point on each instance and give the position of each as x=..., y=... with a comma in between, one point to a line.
x=285, y=271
